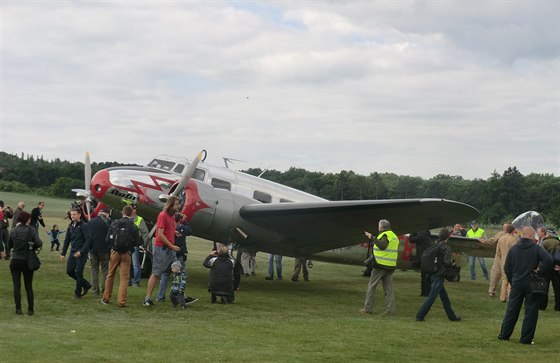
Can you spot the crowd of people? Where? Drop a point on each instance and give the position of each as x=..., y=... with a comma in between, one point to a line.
x=525, y=260
x=115, y=244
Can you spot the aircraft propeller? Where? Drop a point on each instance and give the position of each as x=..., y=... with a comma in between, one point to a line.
x=85, y=194
x=186, y=175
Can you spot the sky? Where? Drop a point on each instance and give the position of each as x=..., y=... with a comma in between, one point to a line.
x=416, y=88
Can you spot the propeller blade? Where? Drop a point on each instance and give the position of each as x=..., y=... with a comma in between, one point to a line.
x=87, y=183
x=188, y=173
x=87, y=173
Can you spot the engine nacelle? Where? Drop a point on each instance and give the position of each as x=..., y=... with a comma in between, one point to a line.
x=212, y=212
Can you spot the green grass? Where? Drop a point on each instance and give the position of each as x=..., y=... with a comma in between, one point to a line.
x=269, y=321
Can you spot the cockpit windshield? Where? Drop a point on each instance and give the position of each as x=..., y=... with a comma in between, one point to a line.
x=175, y=165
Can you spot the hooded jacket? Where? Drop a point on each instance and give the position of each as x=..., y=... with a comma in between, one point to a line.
x=221, y=274
x=523, y=257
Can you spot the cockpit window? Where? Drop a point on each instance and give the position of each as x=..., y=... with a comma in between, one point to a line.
x=162, y=164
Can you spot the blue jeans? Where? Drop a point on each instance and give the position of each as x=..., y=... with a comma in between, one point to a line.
x=519, y=292
x=136, y=267
x=278, y=259
x=437, y=289
x=473, y=267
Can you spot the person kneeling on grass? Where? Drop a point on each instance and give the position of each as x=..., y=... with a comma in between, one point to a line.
x=220, y=283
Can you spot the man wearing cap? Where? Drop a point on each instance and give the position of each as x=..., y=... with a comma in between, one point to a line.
x=551, y=243
x=96, y=235
x=479, y=234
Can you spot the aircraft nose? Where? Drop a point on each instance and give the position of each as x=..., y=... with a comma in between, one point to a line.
x=100, y=183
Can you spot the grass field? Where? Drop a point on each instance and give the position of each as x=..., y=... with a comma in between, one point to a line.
x=269, y=321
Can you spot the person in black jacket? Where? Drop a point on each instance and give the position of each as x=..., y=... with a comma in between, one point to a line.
x=96, y=236
x=437, y=280
x=76, y=235
x=523, y=258
x=422, y=240
x=20, y=239
x=221, y=266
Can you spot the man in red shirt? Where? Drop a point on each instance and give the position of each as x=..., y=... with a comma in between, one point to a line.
x=164, y=253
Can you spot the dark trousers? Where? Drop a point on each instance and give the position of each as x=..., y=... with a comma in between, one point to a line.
x=555, y=280
x=75, y=269
x=55, y=243
x=437, y=289
x=520, y=292
x=18, y=268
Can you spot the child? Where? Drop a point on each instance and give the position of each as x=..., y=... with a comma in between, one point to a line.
x=221, y=266
x=53, y=234
x=177, y=295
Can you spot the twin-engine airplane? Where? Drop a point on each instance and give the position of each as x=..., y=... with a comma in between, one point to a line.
x=229, y=206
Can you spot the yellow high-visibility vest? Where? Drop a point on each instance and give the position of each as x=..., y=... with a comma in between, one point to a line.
x=387, y=257
x=478, y=234
x=138, y=221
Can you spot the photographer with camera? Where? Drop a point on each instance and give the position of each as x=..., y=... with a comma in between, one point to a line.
x=385, y=253
x=437, y=279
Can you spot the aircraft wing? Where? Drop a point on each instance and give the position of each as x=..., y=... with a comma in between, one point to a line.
x=307, y=228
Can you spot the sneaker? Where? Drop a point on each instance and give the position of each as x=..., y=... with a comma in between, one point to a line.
x=269, y=278
x=105, y=302
x=295, y=279
x=420, y=319
x=148, y=302
x=387, y=313
x=135, y=285
x=456, y=318
x=364, y=311
x=189, y=300
x=160, y=300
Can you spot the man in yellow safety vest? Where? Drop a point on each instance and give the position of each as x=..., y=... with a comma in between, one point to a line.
x=385, y=252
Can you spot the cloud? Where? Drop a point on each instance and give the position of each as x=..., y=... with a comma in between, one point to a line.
x=417, y=88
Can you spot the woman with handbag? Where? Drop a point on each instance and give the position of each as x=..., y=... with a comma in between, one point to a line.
x=24, y=241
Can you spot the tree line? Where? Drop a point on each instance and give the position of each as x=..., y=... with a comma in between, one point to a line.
x=499, y=198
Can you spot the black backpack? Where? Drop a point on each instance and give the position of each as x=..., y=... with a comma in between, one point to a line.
x=431, y=259
x=120, y=236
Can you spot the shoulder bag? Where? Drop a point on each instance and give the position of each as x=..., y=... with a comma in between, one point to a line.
x=33, y=261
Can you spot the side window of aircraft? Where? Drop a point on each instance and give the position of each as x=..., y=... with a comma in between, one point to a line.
x=221, y=184
x=199, y=174
x=179, y=168
x=262, y=197
x=282, y=200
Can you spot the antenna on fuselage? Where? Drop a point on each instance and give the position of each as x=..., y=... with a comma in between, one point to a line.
x=230, y=160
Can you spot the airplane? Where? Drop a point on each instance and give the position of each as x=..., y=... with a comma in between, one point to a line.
x=229, y=206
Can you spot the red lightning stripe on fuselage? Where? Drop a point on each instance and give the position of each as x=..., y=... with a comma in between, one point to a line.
x=193, y=202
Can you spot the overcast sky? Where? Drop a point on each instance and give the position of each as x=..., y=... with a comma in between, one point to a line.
x=412, y=87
